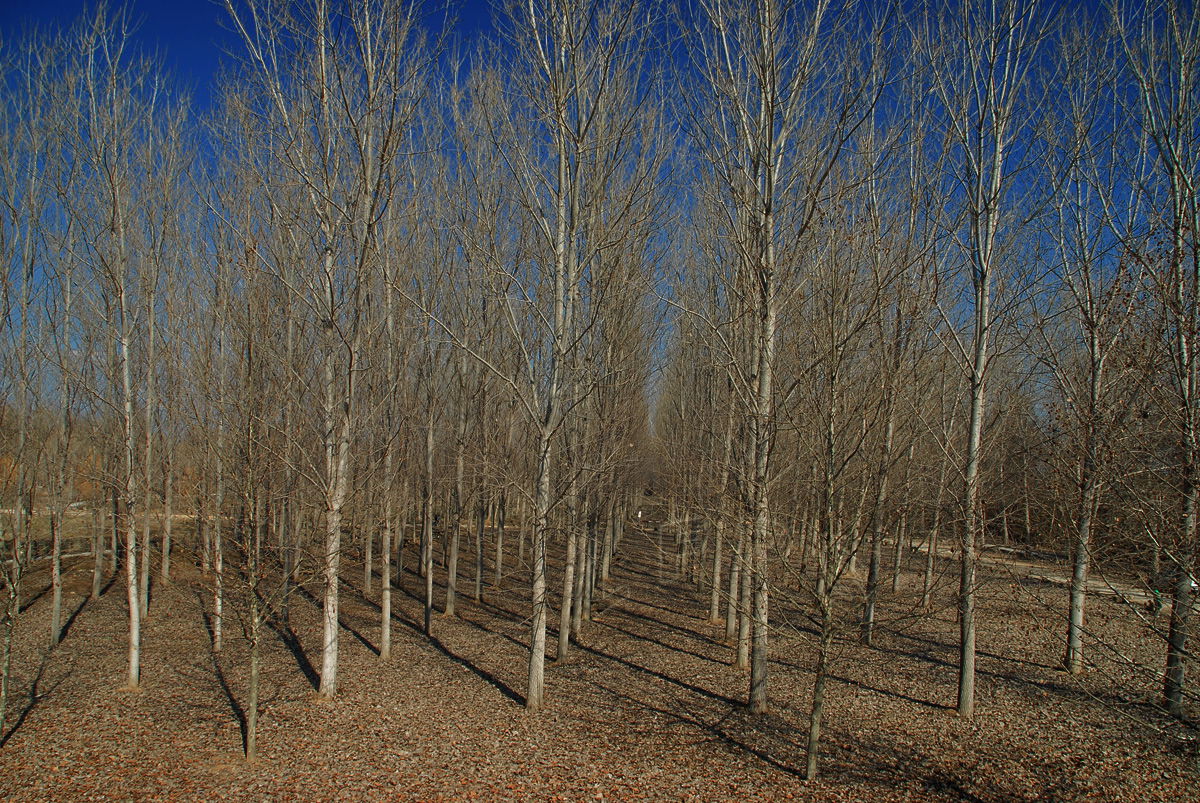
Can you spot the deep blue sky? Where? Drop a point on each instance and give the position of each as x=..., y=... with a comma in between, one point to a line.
x=190, y=34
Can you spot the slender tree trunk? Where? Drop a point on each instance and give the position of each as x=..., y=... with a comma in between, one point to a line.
x=764, y=417
x=735, y=573
x=1182, y=602
x=607, y=548
x=581, y=553
x=714, y=600
x=818, y=700
x=460, y=445
x=537, y=642
x=56, y=526
x=12, y=606
x=385, y=581
x=481, y=523
x=255, y=627
x=868, y=623
x=568, y=593
x=219, y=550
x=130, y=527
x=368, y=559
x=590, y=569
x=57, y=521
x=331, y=565
x=427, y=524
x=115, y=530
x=498, y=565
x=97, y=553
x=1182, y=597
x=252, y=703
x=745, y=596
x=147, y=493
x=930, y=557
x=901, y=535
x=1088, y=503
x=168, y=518
x=966, y=587
x=204, y=529
x=877, y=520
x=337, y=467
x=389, y=517
x=58, y=514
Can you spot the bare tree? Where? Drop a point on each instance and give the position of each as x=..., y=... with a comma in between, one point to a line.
x=123, y=108
x=979, y=59
x=1160, y=43
x=340, y=83
x=1096, y=282
x=761, y=69
x=576, y=76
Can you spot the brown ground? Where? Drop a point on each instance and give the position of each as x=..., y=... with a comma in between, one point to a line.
x=647, y=707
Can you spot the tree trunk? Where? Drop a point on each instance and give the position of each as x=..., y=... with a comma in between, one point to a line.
x=818, y=702
x=745, y=596
x=255, y=626
x=1089, y=502
x=479, y=529
x=218, y=556
x=1174, y=678
x=427, y=524
x=537, y=640
x=589, y=574
x=97, y=553
x=130, y=528
x=368, y=559
x=385, y=583
x=606, y=548
x=168, y=518
x=331, y=563
x=498, y=565
x=203, y=529
x=252, y=702
x=966, y=586
x=568, y=593
x=868, y=623
x=144, y=569
x=898, y=557
x=460, y=445
x=337, y=468
x=714, y=599
x=927, y=579
x=731, y=606
x=56, y=527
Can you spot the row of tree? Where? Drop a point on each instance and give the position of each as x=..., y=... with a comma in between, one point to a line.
x=913, y=278
x=824, y=275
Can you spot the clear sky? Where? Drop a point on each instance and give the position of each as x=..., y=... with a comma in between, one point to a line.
x=191, y=35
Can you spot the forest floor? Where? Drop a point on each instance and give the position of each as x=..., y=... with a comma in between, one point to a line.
x=647, y=706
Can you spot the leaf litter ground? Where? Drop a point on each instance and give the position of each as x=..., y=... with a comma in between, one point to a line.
x=647, y=706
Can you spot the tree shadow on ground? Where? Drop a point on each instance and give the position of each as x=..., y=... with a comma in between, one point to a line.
x=342, y=623
x=699, y=690
x=34, y=696
x=658, y=642
x=32, y=599
x=720, y=730
x=291, y=641
x=478, y=671
x=70, y=620
x=218, y=671
x=443, y=648
x=658, y=622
